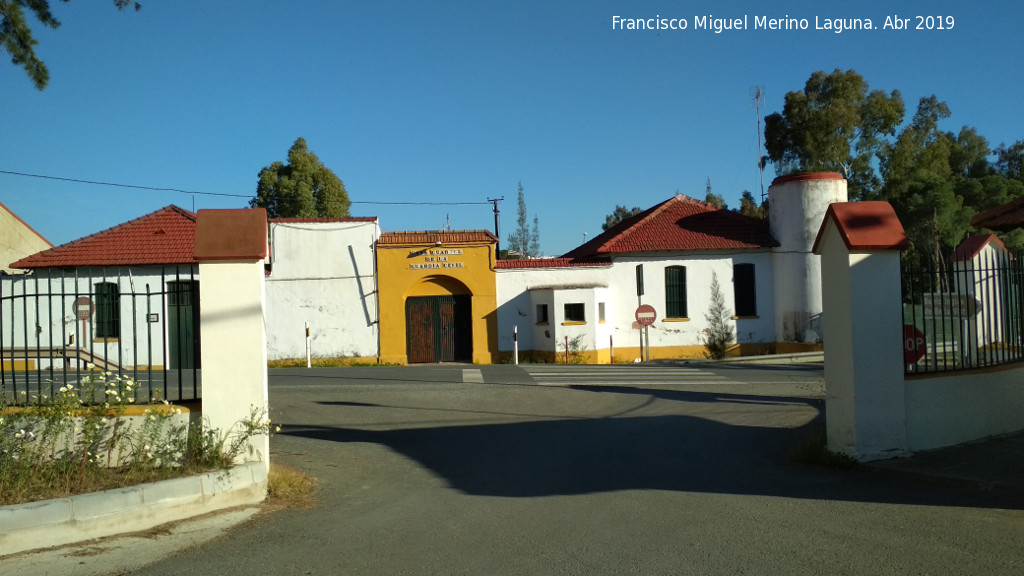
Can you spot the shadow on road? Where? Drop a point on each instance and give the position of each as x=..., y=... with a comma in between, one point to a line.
x=660, y=452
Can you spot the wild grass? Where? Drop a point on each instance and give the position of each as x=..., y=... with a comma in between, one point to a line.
x=53, y=447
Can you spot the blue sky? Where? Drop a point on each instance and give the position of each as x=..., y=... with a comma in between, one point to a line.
x=455, y=101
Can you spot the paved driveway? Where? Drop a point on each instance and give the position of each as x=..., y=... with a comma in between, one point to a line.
x=588, y=470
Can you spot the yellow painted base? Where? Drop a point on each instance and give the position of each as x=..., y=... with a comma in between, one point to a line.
x=630, y=354
x=19, y=365
x=797, y=347
x=329, y=362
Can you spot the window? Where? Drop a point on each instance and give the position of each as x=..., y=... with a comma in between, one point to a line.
x=542, y=313
x=575, y=312
x=744, y=290
x=107, y=321
x=675, y=292
x=600, y=312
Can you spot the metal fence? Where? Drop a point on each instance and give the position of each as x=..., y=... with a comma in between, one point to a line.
x=963, y=314
x=61, y=327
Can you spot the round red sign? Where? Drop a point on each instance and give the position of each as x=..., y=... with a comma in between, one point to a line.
x=645, y=315
x=913, y=344
x=83, y=307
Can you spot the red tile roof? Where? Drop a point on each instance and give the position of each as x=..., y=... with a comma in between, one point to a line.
x=865, y=226
x=435, y=236
x=680, y=223
x=166, y=236
x=1006, y=217
x=544, y=263
x=321, y=220
x=972, y=246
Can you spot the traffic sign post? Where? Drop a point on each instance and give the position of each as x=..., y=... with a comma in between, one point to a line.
x=645, y=317
x=913, y=344
x=83, y=309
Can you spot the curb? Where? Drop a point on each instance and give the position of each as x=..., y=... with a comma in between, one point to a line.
x=765, y=359
x=64, y=521
x=996, y=488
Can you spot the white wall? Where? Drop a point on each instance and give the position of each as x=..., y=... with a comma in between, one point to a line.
x=322, y=273
x=957, y=408
x=517, y=306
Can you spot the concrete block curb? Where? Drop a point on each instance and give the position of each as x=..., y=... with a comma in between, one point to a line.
x=67, y=520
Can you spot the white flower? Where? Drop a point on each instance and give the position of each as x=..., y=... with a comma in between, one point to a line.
x=64, y=389
x=20, y=434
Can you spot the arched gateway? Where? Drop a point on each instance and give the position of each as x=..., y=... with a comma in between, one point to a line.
x=437, y=296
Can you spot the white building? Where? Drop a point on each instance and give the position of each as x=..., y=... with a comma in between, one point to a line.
x=322, y=275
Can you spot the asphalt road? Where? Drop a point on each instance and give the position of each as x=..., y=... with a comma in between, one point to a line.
x=504, y=470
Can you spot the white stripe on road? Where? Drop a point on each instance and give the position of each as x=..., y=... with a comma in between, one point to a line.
x=472, y=375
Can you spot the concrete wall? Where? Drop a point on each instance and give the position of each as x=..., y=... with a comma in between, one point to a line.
x=322, y=273
x=956, y=408
x=17, y=240
x=873, y=410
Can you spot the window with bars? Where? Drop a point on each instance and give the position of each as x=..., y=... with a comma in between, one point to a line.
x=744, y=290
x=675, y=292
x=575, y=312
x=107, y=319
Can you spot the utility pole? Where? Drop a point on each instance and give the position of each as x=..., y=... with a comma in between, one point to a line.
x=497, y=247
x=758, y=94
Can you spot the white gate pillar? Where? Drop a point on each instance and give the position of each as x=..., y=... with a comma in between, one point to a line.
x=862, y=315
x=231, y=246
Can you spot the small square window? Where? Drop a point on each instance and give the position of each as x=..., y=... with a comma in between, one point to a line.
x=575, y=312
x=600, y=312
x=542, y=313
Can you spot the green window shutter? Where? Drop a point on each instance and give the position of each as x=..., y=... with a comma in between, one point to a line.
x=107, y=321
x=675, y=292
x=744, y=290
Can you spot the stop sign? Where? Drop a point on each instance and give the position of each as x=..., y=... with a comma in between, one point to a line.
x=913, y=344
x=645, y=315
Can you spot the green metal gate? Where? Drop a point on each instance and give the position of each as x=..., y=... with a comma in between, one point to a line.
x=438, y=329
x=183, y=324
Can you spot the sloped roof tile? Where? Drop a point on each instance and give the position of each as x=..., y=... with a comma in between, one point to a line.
x=166, y=236
x=1006, y=217
x=869, y=225
x=435, y=236
x=973, y=245
x=545, y=263
x=680, y=223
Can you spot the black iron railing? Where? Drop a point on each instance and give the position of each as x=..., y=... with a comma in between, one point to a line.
x=963, y=314
x=61, y=327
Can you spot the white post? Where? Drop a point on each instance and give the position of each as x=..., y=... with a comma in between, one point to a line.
x=309, y=359
x=230, y=248
x=515, y=343
x=859, y=244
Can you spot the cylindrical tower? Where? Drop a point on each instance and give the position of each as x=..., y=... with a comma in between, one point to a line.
x=796, y=207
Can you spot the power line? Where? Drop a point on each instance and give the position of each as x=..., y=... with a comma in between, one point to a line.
x=422, y=203
x=153, y=188
x=157, y=189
